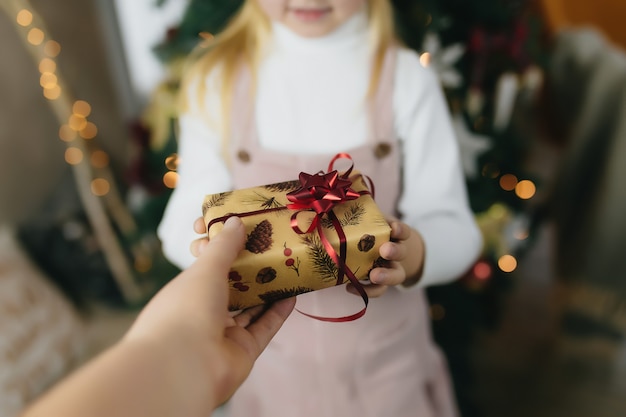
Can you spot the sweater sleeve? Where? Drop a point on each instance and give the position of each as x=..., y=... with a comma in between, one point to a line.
x=201, y=171
x=434, y=198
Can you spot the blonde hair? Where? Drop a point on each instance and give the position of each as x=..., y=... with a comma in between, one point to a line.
x=243, y=40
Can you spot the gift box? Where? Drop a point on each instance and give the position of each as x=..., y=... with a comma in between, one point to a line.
x=303, y=235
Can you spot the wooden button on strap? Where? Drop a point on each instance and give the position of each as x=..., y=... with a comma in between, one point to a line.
x=382, y=150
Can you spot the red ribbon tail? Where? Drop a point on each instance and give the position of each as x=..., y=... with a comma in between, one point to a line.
x=343, y=319
x=342, y=268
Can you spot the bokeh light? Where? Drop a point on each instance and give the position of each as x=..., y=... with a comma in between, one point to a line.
x=52, y=93
x=100, y=187
x=170, y=179
x=67, y=134
x=171, y=162
x=24, y=18
x=89, y=131
x=47, y=65
x=73, y=156
x=508, y=182
x=507, y=263
x=482, y=270
x=52, y=48
x=525, y=189
x=35, y=36
x=99, y=159
x=81, y=108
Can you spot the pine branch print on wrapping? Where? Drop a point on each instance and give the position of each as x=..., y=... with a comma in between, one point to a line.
x=216, y=200
x=323, y=264
x=271, y=296
x=235, y=307
x=283, y=187
x=352, y=217
x=264, y=201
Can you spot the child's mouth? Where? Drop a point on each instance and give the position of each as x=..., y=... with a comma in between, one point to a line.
x=310, y=15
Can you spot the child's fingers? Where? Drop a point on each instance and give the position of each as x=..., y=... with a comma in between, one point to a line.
x=393, y=275
x=199, y=226
x=399, y=230
x=372, y=290
x=393, y=251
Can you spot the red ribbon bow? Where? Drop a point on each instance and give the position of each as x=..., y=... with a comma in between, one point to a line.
x=320, y=193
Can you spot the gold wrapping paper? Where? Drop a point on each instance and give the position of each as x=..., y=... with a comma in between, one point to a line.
x=277, y=262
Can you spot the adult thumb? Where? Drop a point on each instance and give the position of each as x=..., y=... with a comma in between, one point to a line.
x=215, y=260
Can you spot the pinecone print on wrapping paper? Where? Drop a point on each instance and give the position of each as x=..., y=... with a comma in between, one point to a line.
x=380, y=262
x=265, y=275
x=271, y=296
x=366, y=243
x=260, y=239
x=283, y=187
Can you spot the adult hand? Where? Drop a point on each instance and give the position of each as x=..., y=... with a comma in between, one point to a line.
x=192, y=313
x=184, y=355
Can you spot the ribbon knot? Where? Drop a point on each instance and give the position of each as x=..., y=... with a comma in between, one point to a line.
x=321, y=192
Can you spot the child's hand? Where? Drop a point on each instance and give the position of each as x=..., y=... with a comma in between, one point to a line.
x=405, y=253
x=199, y=244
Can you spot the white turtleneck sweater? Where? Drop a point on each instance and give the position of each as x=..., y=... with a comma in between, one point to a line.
x=310, y=98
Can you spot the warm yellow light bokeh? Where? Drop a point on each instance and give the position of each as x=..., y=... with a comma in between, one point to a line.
x=73, y=156
x=508, y=182
x=100, y=187
x=99, y=159
x=24, y=18
x=67, y=134
x=52, y=48
x=89, y=131
x=425, y=59
x=170, y=179
x=525, y=189
x=77, y=122
x=507, y=263
x=52, y=93
x=48, y=80
x=47, y=65
x=35, y=36
x=171, y=162
x=81, y=108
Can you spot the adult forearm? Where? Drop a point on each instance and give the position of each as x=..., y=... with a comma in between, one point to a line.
x=132, y=378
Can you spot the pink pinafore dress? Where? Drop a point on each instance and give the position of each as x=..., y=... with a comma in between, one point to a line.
x=381, y=365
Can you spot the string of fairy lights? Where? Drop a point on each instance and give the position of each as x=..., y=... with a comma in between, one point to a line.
x=77, y=123
x=90, y=163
